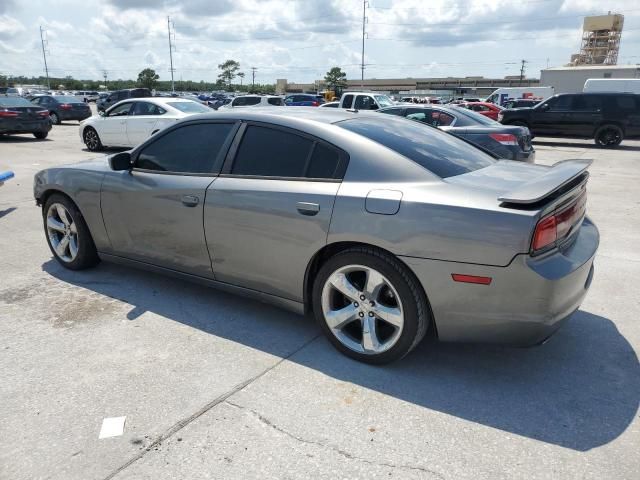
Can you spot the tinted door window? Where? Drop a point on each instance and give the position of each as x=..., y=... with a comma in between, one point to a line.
x=364, y=102
x=587, y=103
x=189, y=149
x=146, y=108
x=120, y=110
x=275, y=101
x=393, y=111
x=271, y=153
x=245, y=101
x=561, y=104
x=348, y=101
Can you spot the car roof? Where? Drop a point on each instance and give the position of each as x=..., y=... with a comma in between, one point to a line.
x=275, y=114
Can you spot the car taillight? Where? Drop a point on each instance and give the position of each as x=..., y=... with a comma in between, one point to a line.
x=557, y=225
x=66, y=106
x=504, y=138
x=315, y=104
x=4, y=113
x=43, y=113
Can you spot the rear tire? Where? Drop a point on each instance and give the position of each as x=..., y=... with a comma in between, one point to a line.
x=40, y=135
x=55, y=119
x=92, y=139
x=387, y=323
x=67, y=234
x=609, y=136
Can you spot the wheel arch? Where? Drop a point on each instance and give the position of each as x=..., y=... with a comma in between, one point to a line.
x=332, y=249
x=615, y=123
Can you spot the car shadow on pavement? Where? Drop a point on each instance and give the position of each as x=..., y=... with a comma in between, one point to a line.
x=586, y=144
x=7, y=211
x=22, y=139
x=580, y=390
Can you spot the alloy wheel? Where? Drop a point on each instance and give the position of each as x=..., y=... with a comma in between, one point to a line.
x=62, y=232
x=362, y=309
x=610, y=136
x=91, y=139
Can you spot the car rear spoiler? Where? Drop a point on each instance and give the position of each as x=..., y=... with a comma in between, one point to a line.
x=558, y=176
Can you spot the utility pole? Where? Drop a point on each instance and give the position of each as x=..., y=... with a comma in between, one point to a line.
x=364, y=33
x=253, y=77
x=44, y=56
x=171, y=69
x=524, y=62
x=104, y=74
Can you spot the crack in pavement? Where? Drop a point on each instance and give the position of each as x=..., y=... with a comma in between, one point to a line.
x=216, y=401
x=337, y=450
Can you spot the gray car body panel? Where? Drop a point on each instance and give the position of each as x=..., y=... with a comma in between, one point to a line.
x=247, y=234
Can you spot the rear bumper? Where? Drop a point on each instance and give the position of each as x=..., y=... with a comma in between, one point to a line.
x=526, y=302
x=26, y=126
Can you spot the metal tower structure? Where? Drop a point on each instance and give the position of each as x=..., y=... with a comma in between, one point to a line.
x=600, y=40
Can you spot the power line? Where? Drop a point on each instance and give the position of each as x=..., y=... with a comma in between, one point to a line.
x=44, y=56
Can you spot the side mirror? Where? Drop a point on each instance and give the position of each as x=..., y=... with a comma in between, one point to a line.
x=373, y=107
x=120, y=161
x=102, y=113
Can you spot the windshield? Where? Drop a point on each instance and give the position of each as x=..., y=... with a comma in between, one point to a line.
x=437, y=151
x=67, y=99
x=189, y=107
x=14, y=102
x=383, y=100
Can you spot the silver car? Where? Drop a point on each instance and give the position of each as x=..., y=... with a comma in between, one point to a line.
x=384, y=228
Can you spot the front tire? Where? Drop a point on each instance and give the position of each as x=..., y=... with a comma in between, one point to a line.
x=92, y=139
x=609, y=136
x=370, y=306
x=67, y=234
x=40, y=135
x=55, y=119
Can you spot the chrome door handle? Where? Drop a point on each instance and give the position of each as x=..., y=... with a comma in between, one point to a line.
x=190, y=200
x=306, y=208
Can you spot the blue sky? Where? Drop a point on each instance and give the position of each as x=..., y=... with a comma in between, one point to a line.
x=300, y=40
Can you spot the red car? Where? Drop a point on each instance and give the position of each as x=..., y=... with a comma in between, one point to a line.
x=484, y=108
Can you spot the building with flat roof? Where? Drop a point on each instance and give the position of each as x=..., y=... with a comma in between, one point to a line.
x=455, y=86
x=571, y=79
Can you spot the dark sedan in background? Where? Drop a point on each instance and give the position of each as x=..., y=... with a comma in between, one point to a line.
x=63, y=107
x=507, y=142
x=18, y=115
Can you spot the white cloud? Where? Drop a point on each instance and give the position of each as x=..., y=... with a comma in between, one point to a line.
x=10, y=27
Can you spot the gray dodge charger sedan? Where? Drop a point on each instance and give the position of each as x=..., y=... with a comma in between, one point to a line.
x=384, y=228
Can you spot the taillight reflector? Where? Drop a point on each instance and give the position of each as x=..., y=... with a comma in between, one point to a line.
x=459, y=277
x=43, y=113
x=504, y=138
x=66, y=106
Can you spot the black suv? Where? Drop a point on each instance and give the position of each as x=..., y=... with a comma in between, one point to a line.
x=606, y=117
x=114, y=97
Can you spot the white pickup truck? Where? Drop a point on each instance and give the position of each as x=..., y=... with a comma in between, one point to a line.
x=364, y=101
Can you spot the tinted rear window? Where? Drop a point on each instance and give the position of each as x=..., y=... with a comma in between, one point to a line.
x=626, y=103
x=67, y=99
x=189, y=107
x=438, y=152
x=15, y=102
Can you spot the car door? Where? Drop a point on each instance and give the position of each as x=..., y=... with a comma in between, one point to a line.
x=585, y=115
x=112, y=128
x=154, y=212
x=142, y=120
x=270, y=209
x=554, y=118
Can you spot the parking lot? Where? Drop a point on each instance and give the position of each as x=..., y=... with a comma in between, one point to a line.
x=218, y=386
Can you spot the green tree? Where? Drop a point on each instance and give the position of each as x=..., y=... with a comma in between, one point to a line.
x=228, y=71
x=336, y=79
x=147, y=78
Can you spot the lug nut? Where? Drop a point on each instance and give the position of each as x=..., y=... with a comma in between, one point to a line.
x=361, y=314
x=372, y=303
x=371, y=314
x=362, y=297
x=355, y=304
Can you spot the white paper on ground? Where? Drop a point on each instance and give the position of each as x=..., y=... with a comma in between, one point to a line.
x=112, y=427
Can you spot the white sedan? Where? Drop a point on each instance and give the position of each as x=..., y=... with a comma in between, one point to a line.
x=130, y=122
